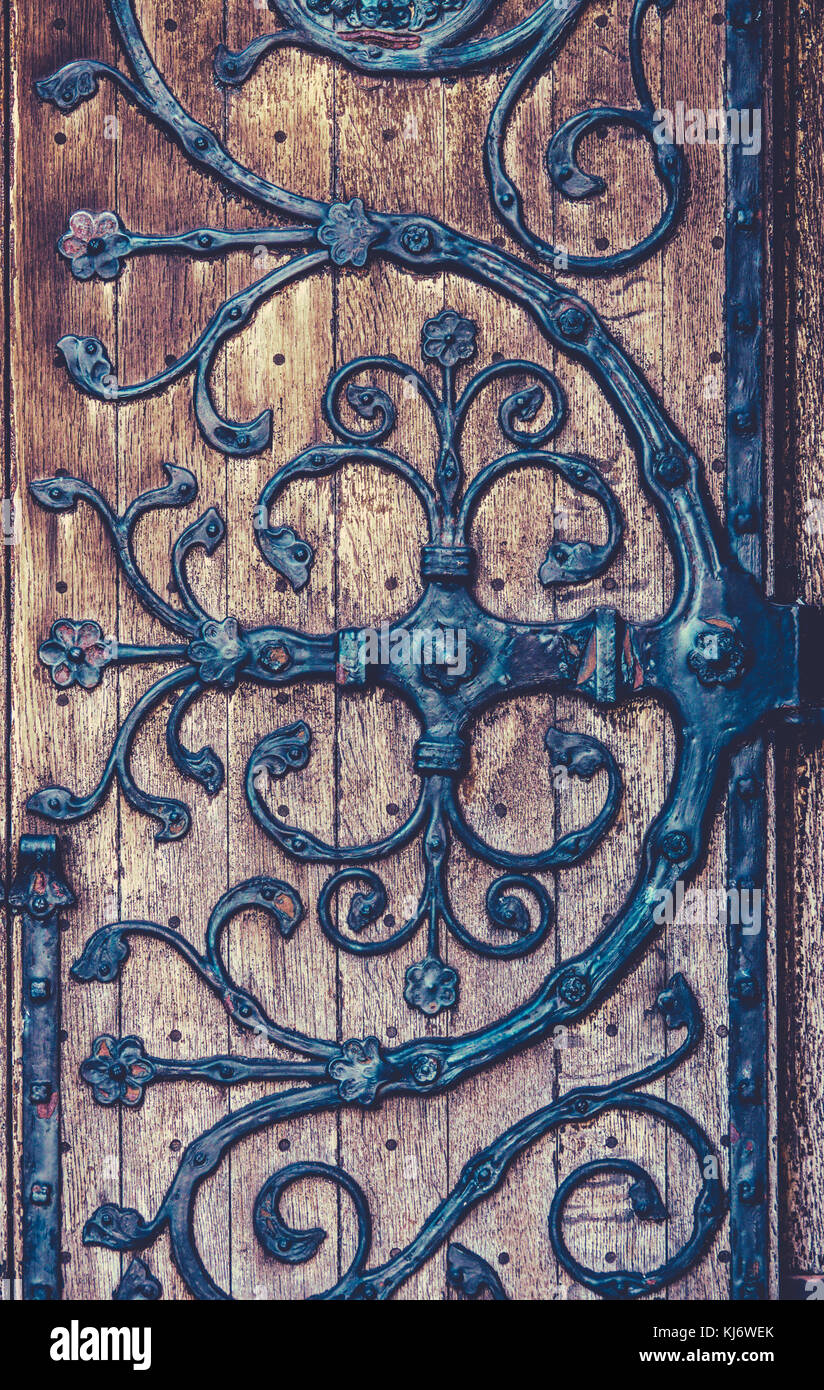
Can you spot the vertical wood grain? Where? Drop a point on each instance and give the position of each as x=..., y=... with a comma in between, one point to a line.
x=6, y=1150
x=623, y=1035
x=389, y=146
x=507, y=794
x=56, y=564
x=284, y=128
x=400, y=145
x=694, y=393
x=163, y=302
x=802, y=767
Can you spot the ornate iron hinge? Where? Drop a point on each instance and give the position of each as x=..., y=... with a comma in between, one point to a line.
x=728, y=663
x=39, y=893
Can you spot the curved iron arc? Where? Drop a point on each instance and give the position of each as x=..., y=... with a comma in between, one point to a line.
x=107, y=950
x=430, y=50
x=277, y=543
x=77, y=82
x=436, y=52
x=90, y=367
x=269, y=756
x=715, y=628
x=352, y=233
x=121, y=1228
x=654, y=656
x=349, y=230
x=62, y=493
x=430, y=1064
x=562, y=164
x=723, y=659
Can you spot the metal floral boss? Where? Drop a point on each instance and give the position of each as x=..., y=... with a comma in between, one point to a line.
x=499, y=657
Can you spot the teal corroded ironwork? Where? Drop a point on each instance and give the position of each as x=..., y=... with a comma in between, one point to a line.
x=448, y=657
x=98, y=244
x=727, y=662
x=40, y=894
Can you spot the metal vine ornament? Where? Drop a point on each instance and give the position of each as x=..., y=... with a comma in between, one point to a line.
x=723, y=659
x=496, y=659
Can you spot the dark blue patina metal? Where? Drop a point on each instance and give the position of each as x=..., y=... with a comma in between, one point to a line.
x=39, y=894
x=403, y=38
x=421, y=39
x=702, y=657
x=448, y=657
x=98, y=244
x=725, y=660
x=361, y=1070
x=746, y=806
x=138, y=1284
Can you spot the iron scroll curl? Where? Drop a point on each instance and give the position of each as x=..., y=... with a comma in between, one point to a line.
x=424, y=39
x=711, y=659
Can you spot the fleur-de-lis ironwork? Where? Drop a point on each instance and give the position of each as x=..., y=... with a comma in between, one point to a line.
x=497, y=658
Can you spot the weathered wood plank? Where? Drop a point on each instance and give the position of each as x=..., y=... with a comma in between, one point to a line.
x=162, y=306
x=516, y=526
x=56, y=569
x=283, y=126
x=507, y=794
x=622, y=1036
x=7, y=529
x=801, y=1022
x=390, y=153
x=693, y=388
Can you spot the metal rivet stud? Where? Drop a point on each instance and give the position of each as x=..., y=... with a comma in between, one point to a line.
x=745, y=989
x=671, y=469
x=742, y=420
x=416, y=239
x=745, y=519
x=573, y=989
x=748, y=787
x=425, y=1069
x=573, y=324
x=675, y=845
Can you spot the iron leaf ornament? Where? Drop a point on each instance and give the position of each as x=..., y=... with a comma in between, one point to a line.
x=357, y=1072
x=347, y=233
x=498, y=660
x=723, y=659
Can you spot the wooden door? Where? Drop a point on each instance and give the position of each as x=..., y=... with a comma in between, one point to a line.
x=463, y=1063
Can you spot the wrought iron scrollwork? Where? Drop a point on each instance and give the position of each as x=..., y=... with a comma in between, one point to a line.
x=723, y=658
x=138, y=1284
x=448, y=655
x=423, y=39
x=40, y=894
x=361, y=1070
x=470, y=1275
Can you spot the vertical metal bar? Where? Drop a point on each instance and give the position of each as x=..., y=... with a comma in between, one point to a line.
x=747, y=805
x=39, y=893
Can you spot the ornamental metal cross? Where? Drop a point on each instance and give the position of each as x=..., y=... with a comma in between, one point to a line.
x=725, y=660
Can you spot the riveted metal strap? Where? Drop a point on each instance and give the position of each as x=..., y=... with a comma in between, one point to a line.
x=40, y=894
